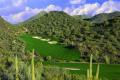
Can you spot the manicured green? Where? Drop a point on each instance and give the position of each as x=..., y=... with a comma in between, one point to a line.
x=109, y=71
x=98, y=35
x=56, y=51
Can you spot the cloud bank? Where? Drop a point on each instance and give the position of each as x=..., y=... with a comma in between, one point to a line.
x=24, y=12
x=29, y=12
x=77, y=1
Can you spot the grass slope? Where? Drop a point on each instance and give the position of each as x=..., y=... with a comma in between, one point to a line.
x=109, y=71
x=56, y=51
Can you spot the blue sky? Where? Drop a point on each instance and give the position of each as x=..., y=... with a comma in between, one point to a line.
x=15, y=11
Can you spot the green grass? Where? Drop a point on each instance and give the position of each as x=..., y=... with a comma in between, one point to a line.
x=56, y=51
x=109, y=71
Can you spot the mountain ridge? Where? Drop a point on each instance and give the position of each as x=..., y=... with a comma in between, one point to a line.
x=99, y=18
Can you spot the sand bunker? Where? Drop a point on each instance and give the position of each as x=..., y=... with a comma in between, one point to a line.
x=74, y=69
x=45, y=39
x=42, y=39
x=36, y=37
x=53, y=42
x=48, y=40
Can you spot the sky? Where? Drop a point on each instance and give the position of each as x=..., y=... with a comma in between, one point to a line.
x=15, y=11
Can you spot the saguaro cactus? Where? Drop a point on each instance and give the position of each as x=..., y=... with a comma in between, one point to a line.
x=88, y=74
x=91, y=67
x=32, y=66
x=16, y=68
x=89, y=71
x=97, y=73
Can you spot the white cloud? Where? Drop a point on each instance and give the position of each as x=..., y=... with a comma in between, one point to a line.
x=52, y=8
x=87, y=9
x=94, y=8
x=18, y=3
x=29, y=12
x=12, y=3
x=84, y=9
x=21, y=16
x=77, y=1
x=11, y=6
x=68, y=10
x=109, y=6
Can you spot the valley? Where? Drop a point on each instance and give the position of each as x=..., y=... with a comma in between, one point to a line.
x=64, y=47
x=107, y=71
x=66, y=58
x=56, y=51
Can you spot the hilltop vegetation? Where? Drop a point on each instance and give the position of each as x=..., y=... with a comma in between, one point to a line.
x=9, y=41
x=100, y=18
x=100, y=39
x=11, y=46
x=73, y=32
